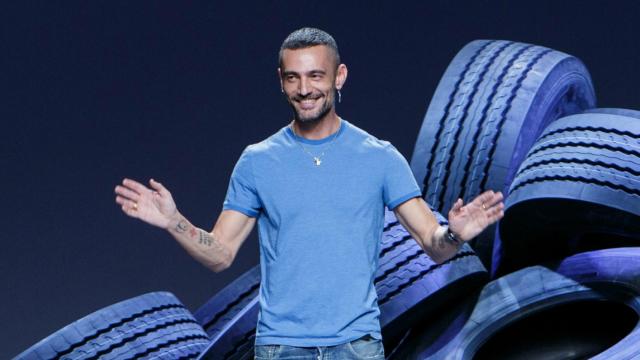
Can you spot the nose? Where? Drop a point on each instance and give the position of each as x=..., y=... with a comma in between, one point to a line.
x=304, y=88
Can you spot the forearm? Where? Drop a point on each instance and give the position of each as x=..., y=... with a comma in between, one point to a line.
x=202, y=245
x=423, y=226
x=468, y=221
x=438, y=245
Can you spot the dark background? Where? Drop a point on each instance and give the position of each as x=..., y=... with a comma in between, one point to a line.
x=92, y=92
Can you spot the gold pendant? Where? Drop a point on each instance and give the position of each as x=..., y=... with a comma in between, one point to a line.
x=317, y=160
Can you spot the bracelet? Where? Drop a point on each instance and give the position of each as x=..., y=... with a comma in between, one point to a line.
x=452, y=237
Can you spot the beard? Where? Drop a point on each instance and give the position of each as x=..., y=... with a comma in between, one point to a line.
x=314, y=117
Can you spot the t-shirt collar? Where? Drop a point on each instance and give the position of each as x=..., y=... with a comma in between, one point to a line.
x=317, y=141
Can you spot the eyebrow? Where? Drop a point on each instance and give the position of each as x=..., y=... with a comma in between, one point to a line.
x=311, y=72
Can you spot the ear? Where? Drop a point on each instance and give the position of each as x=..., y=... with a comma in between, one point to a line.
x=341, y=76
x=280, y=79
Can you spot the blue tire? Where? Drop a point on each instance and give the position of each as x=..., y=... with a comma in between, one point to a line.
x=614, y=111
x=406, y=280
x=229, y=304
x=586, y=306
x=489, y=107
x=150, y=326
x=578, y=190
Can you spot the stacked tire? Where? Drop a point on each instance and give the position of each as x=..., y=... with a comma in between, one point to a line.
x=567, y=274
x=586, y=306
x=578, y=190
x=493, y=101
x=150, y=326
x=564, y=259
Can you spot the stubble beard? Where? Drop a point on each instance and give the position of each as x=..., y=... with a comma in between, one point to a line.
x=314, y=118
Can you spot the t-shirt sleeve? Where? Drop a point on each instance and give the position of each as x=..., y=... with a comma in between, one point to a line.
x=241, y=193
x=399, y=183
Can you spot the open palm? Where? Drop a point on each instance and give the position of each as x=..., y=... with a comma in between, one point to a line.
x=467, y=221
x=154, y=206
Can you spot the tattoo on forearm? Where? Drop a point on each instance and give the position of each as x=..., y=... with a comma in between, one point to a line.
x=206, y=238
x=218, y=252
x=182, y=226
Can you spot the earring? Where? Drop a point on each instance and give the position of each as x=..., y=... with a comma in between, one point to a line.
x=282, y=90
x=339, y=97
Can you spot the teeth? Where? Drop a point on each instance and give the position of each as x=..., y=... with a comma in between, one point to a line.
x=307, y=103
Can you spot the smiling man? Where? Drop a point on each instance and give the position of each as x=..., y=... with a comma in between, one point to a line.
x=310, y=77
x=317, y=188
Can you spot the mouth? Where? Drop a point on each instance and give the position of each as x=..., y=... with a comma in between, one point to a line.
x=308, y=103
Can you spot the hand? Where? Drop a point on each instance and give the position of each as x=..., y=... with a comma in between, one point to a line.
x=470, y=220
x=155, y=207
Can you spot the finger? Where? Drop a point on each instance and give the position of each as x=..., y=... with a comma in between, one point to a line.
x=127, y=193
x=484, y=198
x=129, y=211
x=496, y=215
x=496, y=199
x=127, y=202
x=496, y=209
x=135, y=186
x=457, y=205
x=158, y=187
x=493, y=211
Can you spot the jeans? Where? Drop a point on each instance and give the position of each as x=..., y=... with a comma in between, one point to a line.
x=365, y=347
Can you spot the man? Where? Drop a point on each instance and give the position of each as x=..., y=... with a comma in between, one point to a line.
x=318, y=188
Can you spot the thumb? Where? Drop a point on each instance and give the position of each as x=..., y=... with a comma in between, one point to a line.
x=457, y=205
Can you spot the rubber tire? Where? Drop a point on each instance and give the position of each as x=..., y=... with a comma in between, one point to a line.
x=406, y=279
x=611, y=275
x=579, y=187
x=225, y=306
x=614, y=111
x=154, y=325
x=490, y=105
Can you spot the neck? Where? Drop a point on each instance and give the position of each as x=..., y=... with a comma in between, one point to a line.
x=318, y=129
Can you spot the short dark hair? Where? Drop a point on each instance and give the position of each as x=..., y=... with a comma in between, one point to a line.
x=308, y=37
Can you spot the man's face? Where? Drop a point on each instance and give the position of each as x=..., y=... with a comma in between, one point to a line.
x=309, y=78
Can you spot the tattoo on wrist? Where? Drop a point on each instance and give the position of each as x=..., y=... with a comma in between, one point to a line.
x=182, y=226
x=205, y=238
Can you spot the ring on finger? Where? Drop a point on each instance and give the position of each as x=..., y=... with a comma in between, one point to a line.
x=484, y=207
x=135, y=206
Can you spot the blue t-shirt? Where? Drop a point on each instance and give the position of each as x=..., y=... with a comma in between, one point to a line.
x=319, y=229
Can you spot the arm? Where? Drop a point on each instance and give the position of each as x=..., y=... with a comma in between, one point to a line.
x=419, y=221
x=465, y=222
x=218, y=248
x=215, y=249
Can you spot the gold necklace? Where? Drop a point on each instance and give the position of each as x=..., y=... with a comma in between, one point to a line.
x=317, y=160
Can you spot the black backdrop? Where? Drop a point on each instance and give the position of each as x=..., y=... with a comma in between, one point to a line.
x=95, y=91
